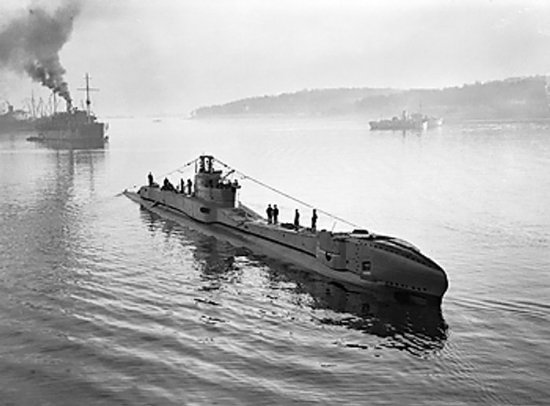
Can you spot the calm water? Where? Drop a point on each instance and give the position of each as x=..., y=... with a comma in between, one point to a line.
x=102, y=303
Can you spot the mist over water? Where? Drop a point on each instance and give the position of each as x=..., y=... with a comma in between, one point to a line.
x=106, y=303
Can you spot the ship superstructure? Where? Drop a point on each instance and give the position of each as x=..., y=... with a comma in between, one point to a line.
x=72, y=125
x=357, y=258
x=14, y=120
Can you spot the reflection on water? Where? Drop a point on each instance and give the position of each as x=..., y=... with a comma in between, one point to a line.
x=43, y=219
x=418, y=329
x=214, y=259
x=69, y=144
x=44, y=216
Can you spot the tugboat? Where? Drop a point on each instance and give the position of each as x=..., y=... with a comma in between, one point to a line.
x=358, y=259
x=416, y=121
x=72, y=126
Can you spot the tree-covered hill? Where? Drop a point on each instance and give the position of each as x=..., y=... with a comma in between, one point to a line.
x=514, y=98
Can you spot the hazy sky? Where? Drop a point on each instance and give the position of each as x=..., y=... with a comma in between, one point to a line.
x=171, y=56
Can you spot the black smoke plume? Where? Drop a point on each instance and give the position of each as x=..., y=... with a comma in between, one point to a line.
x=31, y=43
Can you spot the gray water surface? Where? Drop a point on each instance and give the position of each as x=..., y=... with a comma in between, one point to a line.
x=103, y=303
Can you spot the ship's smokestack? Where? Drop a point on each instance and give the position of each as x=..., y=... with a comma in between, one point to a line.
x=31, y=43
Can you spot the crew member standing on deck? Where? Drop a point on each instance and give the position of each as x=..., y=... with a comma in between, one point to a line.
x=275, y=214
x=296, y=219
x=314, y=220
x=269, y=212
x=150, y=179
x=189, y=187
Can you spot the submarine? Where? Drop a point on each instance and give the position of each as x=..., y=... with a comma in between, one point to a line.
x=358, y=259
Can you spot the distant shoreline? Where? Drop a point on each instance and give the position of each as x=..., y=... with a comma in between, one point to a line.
x=452, y=120
x=510, y=99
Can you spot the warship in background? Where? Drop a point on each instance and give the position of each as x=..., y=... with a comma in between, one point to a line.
x=15, y=120
x=416, y=121
x=72, y=127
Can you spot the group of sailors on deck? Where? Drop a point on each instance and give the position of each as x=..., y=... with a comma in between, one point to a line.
x=271, y=211
x=272, y=214
x=273, y=217
x=167, y=185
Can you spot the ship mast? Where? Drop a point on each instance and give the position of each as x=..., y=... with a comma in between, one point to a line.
x=33, y=105
x=88, y=89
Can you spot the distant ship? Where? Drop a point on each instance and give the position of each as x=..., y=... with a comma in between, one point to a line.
x=71, y=126
x=13, y=120
x=407, y=121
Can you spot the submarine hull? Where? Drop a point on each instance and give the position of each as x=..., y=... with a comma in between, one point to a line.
x=357, y=262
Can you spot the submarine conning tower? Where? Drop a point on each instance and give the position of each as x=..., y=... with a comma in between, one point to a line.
x=211, y=186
